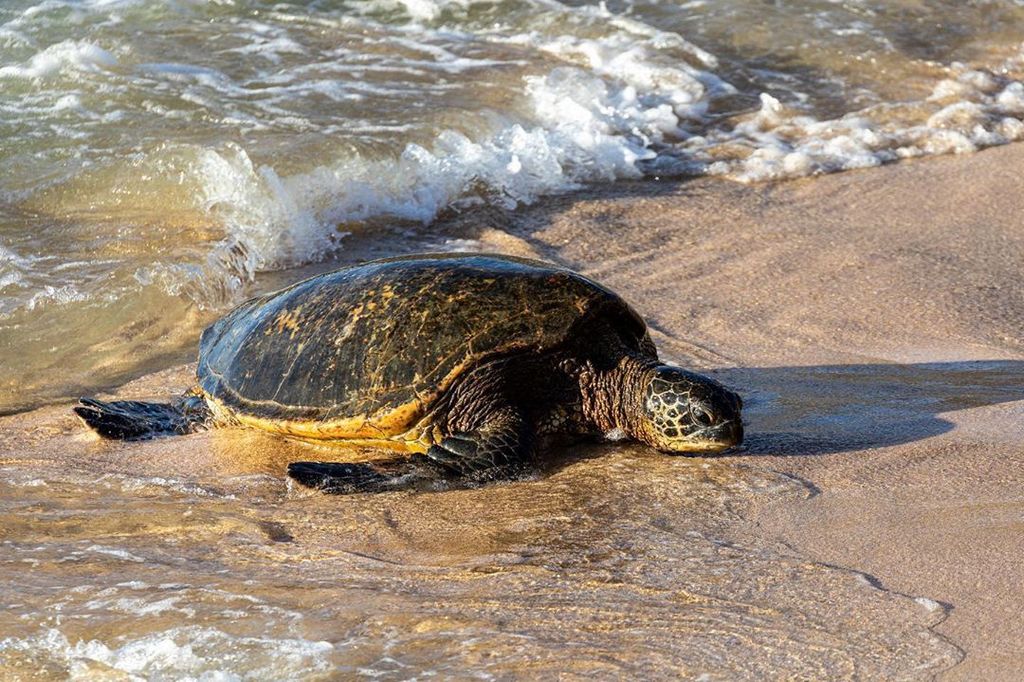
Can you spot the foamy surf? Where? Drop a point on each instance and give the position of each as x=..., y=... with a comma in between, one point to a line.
x=160, y=156
x=969, y=111
x=182, y=653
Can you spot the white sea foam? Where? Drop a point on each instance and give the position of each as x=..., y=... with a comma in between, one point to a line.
x=182, y=653
x=977, y=110
x=634, y=62
x=268, y=42
x=583, y=129
x=13, y=268
x=418, y=11
x=66, y=56
x=53, y=294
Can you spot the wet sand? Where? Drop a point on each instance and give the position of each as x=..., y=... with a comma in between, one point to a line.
x=872, y=527
x=875, y=322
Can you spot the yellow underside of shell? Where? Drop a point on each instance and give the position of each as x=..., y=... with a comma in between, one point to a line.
x=401, y=429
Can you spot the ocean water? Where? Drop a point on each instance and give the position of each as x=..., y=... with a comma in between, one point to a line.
x=159, y=157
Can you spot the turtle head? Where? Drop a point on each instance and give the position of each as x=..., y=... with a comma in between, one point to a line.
x=687, y=412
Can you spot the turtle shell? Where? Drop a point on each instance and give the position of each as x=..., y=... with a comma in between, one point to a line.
x=362, y=352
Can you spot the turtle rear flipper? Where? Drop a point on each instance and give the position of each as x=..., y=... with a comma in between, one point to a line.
x=135, y=420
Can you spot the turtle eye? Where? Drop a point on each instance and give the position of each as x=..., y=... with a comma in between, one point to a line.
x=701, y=415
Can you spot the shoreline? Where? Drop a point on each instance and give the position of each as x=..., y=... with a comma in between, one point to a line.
x=871, y=321
x=893, y=296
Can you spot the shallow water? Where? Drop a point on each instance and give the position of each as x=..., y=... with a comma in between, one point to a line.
x=612, y=565
x=191, y=557
x=159, y=155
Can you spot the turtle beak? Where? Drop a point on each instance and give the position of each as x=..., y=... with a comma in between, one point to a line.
x=730, y=434
x=715, y=439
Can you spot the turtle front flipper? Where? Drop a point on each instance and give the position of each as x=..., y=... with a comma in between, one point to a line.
x=402, y=473
x=500, y=449
x=135, y=420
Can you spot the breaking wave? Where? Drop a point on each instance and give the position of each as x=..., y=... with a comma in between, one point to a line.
x=161, y=155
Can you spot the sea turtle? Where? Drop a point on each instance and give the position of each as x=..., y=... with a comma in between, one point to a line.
x=464, y=363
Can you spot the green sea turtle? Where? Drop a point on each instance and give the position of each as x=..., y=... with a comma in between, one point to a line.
x=464, y=363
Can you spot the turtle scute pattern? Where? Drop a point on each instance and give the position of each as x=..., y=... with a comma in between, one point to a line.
x=383, y=339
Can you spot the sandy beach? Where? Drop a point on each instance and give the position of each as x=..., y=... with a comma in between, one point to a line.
x=874, y=321
x=872, y=525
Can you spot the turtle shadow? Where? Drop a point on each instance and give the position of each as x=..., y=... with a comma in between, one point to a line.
x=829, y=409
